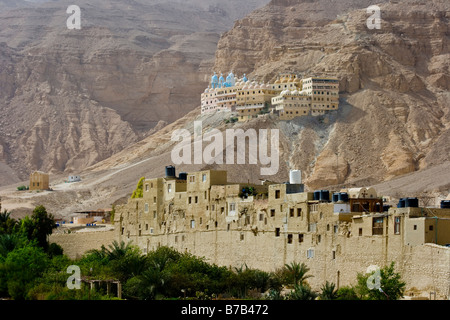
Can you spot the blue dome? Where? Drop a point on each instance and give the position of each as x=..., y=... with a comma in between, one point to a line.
x=214, y=78
x=245, y=78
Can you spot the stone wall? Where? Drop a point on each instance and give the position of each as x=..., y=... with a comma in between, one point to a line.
x=76, y=244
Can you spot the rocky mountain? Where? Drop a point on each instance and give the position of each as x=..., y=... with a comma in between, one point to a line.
x=70, y=98
x=394, y=81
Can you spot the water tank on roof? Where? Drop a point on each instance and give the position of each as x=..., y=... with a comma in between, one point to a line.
x=335, y=197
x=324, y=195
x=295, y=177
x=445, y=204
x=170, y=171
x=317, y=195
x=343, y=196
x=183, y=176
x=401, y=203
x=411, y=203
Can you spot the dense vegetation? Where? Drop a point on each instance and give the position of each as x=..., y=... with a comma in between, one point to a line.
x=31, y=268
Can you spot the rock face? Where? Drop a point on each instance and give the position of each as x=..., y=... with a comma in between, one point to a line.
x=394, y=108
x=70, y=98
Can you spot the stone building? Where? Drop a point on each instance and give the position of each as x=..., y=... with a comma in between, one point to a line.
x=337, y=234
x=39, y=181
x=288, y=97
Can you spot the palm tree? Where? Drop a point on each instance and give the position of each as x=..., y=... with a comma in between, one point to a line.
x=302, y=292
x=117, y=250
x=296, y=273
x=4, y=216
x=328, y=292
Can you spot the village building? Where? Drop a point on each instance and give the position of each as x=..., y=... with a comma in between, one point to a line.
x=288, y=97
x=336, y=233
x=39, y=181
x=74, y=178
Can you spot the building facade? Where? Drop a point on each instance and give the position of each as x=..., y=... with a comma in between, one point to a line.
x=288, y=97
x=39, y=181
x=267, y=226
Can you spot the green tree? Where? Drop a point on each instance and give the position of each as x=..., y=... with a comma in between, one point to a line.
x=391, y=285
x=39, y=226
x=23, y=266
x=347, y=293
x=328, y=292
x=302, y=291
x=296, y=273
x=7, y=224
x=139, y=191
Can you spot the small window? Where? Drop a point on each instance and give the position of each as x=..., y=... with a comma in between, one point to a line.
x=242, y=237
x=289, y=238
x=299, y=212
x=146, y=187
x=192, y=224
x=377, y=226
x=261, y=216
x=360, y=232
x=291, y=212
x=277, y=194
x=196, y=199
x=190, y=200
x=146, y=208
x=272, y=212
x=300, y=238
x=232, y=207
x=333, y=254
x=397, y=225
x=310, y=253
x=191, y=179
x=415, y=227
x=154, y=214
x=430, y=228
x=204, y=177
x=154, y=199
x=169, y=188
x=277, y=232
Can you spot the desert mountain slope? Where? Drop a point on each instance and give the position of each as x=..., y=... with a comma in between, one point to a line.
x=69, y=98
x=394, y=82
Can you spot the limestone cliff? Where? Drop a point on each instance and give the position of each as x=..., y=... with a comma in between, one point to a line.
x=395, y=81
x=70, y=98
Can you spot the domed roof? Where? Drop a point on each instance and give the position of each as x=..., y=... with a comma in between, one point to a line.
x=295, y=92
x=244, y=78
x=215, y=77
